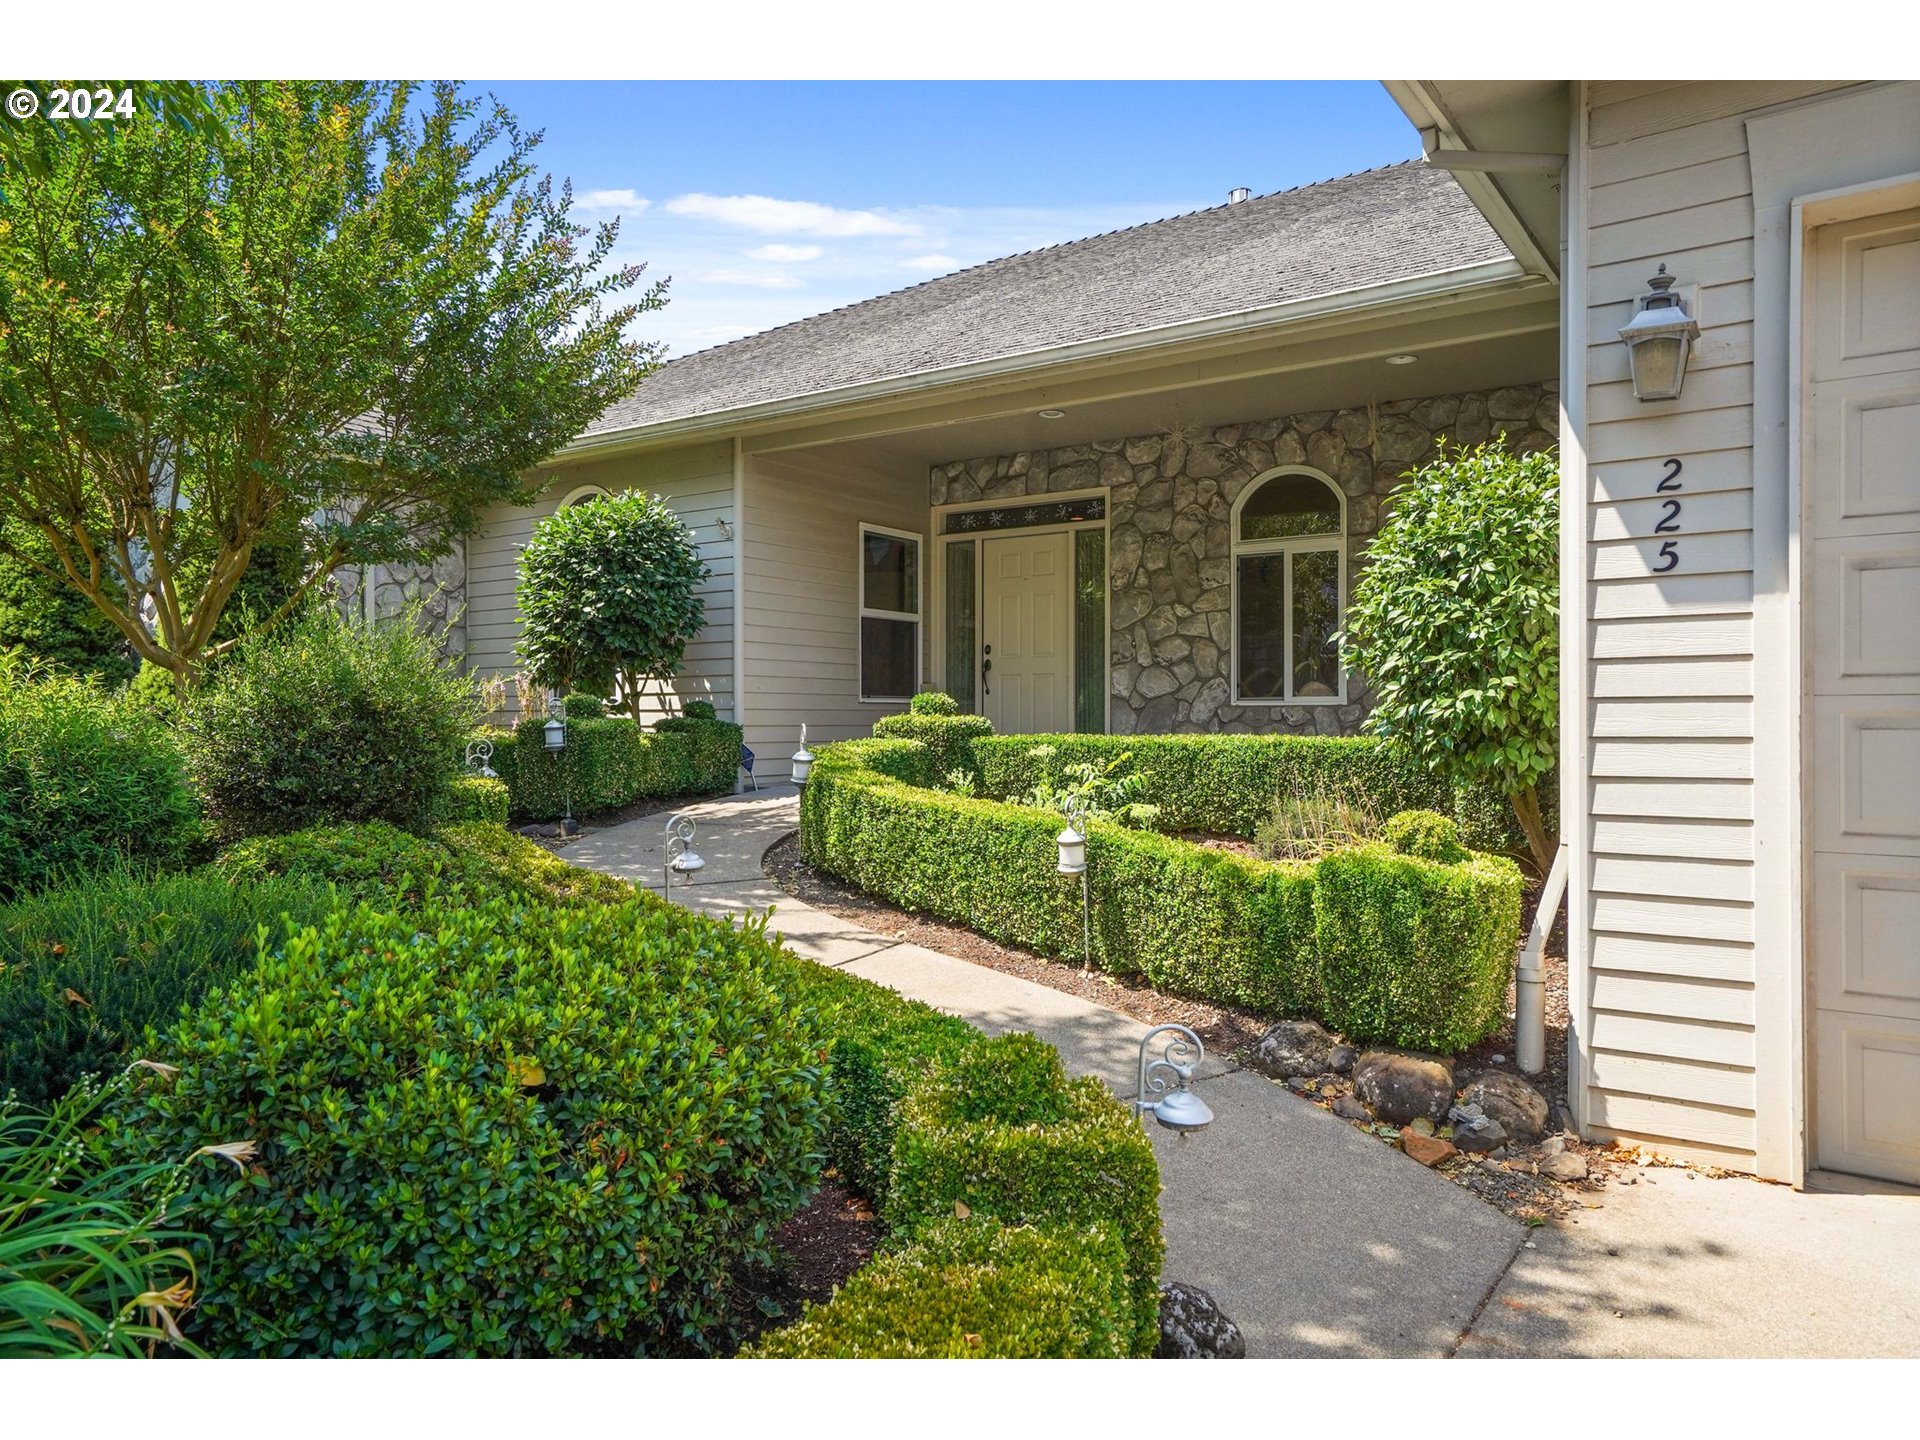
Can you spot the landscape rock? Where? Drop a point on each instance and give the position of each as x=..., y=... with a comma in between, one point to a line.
x=1564, y=1166
x=1474, y=1130
x=1193, y=1327
x=1429, y=1150
x=1510, y=1102
x=1340, y=1059
x=1349, y=1107
x=1403, y=1088
x=1291, y=1048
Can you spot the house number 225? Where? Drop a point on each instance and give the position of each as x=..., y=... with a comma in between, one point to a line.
x=1669, y=521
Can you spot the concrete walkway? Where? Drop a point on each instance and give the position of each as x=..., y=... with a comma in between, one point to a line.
x=1319, y=1240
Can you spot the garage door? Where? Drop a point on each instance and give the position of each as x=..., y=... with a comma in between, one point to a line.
x=1861, y=583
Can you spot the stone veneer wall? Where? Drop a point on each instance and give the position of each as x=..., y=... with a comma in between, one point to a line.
x=440, y=589
x=1169, y=556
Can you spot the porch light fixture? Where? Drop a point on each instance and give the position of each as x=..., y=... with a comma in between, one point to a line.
x=682, y=859
x=1051, y=414
x=1164, y=1091
x=1659, y=338
x=802, y=759
x=1401, y=359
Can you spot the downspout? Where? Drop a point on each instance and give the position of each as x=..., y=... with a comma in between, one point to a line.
x=1530, y=982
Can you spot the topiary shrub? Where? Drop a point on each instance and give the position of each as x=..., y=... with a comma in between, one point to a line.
x=86, y=780
x=1424, y=835
x=322, y=721
x=933, y=702
x=949, y=737
x=85, y=970
x=974, y=1289
x=700, y=710
x=1028, y=1154
x=489, y=1129
x=582, y=706
x=475, y=797
x=609, y=763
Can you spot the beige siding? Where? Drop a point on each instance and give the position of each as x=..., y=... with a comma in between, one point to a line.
x=697, y=482
x=800, y=627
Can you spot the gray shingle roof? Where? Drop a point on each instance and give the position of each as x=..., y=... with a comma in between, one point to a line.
x=1367, y=229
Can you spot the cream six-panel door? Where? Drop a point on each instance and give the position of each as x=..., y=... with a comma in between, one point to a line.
x=1861, y=589
x=1028, y=634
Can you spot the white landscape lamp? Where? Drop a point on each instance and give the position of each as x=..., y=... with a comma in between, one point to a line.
x=1659, y=338
x=682, y=859
x=802, y=759
x=1164, y=1080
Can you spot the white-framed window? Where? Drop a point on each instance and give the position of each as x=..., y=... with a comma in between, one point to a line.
x=1289, y=589
x=581, y=494
x=889, y=596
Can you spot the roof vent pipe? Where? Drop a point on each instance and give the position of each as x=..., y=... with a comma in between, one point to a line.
x=1238, y=194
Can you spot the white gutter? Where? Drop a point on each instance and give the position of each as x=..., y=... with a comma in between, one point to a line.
x=1393, y=296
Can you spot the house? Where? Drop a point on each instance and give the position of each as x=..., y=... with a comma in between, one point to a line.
x=1124, y=484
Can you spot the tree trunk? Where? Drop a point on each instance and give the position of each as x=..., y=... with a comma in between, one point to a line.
x=1526, y=806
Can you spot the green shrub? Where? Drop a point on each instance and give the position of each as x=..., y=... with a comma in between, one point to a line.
x=933, y=702
x=1306, y=824
x=949, y=737
x=321, y=721
x=369, y=861
x=86, y=780
x=515, y=864
x=582, y=706
x=84, y=971
x=958, y=1144
x=152, y=689
x=700, y=710
x=609, y=763
x=1424, y=835
x=974, y=1289
x=475, y=797
x=490, y=1129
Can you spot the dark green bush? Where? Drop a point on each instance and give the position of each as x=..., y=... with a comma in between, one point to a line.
x=85, y=970
x=1091, y=1165
x=700, y=710
x=949, y=737
x=582, y=706
x=933, y=702
x=86, y=780
x=475, y=797
x=1425, y=835
x=609, y=763
x=490, y=1129
x=322, y=721
x=975, y=1289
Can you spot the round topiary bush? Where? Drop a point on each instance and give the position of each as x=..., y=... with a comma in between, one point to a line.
x=489, y=1129
x=933, y=702
x=86, y=780
x=582, y=706
x=323, y=721
x=1425, y=834
x=700, y=710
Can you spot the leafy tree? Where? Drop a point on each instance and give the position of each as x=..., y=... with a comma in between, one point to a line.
x=340, y=321
x=607, y=593
x=1456, y=622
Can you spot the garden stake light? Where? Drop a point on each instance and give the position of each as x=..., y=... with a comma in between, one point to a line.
x=682, y=859
x=1072, y=843
x=478, y=754
x=802, y=758
x=555, y=733
x=1167, y=1077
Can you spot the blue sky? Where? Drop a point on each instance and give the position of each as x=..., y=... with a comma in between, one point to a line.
x=768, y=202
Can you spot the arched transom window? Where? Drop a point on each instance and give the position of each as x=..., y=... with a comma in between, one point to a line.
x=1289, y=589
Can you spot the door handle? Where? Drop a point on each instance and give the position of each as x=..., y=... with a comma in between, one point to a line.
x=986, y=665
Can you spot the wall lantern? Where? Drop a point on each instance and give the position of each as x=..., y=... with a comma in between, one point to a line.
x=802, y=759
x=1659, y=338
x=1164, y=1080
x=682, y=859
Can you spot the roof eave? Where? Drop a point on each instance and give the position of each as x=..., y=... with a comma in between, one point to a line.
x=1371, y=301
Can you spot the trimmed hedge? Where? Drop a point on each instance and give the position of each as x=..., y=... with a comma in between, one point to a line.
x=975, y=1289
x=1227, y=783
x=1194, y=920
x=488, y=1129
x=475, y=797
x=612, y=762
x=950, y=737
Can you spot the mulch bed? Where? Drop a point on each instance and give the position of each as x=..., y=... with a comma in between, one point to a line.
x=818, y=1248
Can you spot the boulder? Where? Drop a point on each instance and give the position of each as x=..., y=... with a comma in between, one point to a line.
x=1193, y=1327
x=1564, y=1166
x=1292, y=1048
x=1340, y=1059
x=1429, y=1150
x=1402, y=1088
x=1511, y=1103
x=1474, y=1130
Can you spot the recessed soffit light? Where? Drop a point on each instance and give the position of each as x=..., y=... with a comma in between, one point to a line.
x=1051, y=414
x=1401, y=359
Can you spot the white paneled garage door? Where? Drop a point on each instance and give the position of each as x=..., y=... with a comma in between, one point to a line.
x=1861, y=583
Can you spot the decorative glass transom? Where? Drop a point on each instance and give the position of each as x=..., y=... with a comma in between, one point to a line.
x=1024, y=517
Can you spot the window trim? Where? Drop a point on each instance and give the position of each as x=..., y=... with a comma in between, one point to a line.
x=580, y=493
x=863, y=612
x=1287, y=546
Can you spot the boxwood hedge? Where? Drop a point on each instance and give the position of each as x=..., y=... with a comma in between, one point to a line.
x=1270, y=936
x=612, y=762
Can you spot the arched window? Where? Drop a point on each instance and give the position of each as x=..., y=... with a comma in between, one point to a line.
x=1289, y=589
x=581, y=494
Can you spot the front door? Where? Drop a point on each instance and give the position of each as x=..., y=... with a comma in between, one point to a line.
x=1027, y=640
x=1861, y=584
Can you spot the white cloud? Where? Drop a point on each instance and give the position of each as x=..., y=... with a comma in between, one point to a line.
x=939, y=264
x=785, y=254
x=628, y=202
x=758, y=279
x=787, y=217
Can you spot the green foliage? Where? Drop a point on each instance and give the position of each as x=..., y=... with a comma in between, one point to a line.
x=90, y=1261
x=325, y=721
x=1305, y=824
x=933, y=702
x=1412, y=951
x=490, y=1129
x=44, y=618
x=85, y=970
x=700, y=710
x=1425, y=835
x=153, y=690
x=949, y=737
x=1191, y=919
x=317, y=253
x=1100, y=792
x=1028, y=1155
x=475, y=797
x=515, y=864
x=86, y=780
x=582, y=706
x=1456, y=621
x=609, y=592
x=974, y=1289
x=608, y=763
